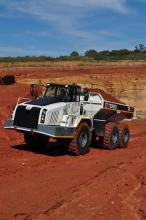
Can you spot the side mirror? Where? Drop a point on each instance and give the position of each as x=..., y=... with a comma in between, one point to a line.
x=33, y=90
x=86, y=96
x=36, y=90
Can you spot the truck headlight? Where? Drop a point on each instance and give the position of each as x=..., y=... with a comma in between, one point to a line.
x=43, y=115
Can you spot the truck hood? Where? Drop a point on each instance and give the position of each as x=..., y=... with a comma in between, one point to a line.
x=44, y=101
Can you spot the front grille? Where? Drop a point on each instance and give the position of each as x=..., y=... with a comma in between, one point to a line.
x=27, y=118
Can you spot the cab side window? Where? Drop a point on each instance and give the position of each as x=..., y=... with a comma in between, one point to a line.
x=86, y=94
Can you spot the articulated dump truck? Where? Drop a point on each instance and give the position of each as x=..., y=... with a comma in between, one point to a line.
x=73, y=116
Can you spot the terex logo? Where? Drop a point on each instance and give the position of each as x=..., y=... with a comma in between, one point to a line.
x=110, y=105
x=113, y=106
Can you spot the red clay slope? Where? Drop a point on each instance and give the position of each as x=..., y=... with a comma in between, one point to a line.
x=66, y=71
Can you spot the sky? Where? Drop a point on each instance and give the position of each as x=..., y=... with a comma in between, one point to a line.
x=58, y=27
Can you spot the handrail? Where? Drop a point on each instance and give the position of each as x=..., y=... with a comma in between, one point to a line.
x=21, y=98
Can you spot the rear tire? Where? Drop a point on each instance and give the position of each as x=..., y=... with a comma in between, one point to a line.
x=79, y=145
x=123, y=135
x=111, y=136
x=35, y=141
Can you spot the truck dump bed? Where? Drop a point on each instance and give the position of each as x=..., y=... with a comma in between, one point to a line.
x=113, y=109
x=106, y=96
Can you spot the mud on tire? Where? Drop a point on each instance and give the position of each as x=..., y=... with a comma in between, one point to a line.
x=111, y=136
x=123, y=135
x=79, y=145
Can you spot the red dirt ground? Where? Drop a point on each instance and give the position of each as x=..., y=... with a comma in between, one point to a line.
x=49, y=184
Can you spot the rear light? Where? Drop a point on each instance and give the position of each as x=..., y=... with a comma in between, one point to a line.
x=106, y=105
x=131, y=109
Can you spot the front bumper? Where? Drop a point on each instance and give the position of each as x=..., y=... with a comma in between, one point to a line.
x=48, y=130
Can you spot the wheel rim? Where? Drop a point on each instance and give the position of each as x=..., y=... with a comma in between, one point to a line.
x=125, y=136
x=83, y=139
x=114, y=137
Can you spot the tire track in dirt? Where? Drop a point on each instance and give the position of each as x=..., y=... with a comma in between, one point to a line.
x=79, y=196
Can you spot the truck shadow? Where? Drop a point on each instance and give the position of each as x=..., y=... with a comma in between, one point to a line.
x=52, y=149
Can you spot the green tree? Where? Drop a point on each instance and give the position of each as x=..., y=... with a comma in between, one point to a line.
x=74, y=54
x=91, y=53
x=140, y=48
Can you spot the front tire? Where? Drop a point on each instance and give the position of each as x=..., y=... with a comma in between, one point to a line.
x=79, y=145
x=111, y=136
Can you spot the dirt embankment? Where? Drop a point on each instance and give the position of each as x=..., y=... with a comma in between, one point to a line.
x=127, y=83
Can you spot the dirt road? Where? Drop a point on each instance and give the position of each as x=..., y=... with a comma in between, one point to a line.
x=50, y=184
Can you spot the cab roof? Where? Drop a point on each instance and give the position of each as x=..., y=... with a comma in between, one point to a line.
x=63, y=85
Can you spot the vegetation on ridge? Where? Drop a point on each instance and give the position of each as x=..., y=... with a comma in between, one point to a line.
x=139, y=53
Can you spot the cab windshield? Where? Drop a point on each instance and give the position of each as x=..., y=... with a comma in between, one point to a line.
x=62, y=93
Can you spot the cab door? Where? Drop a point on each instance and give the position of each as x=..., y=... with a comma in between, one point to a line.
x=75, y=100
x=92, y=105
